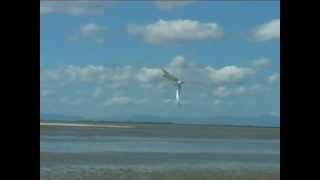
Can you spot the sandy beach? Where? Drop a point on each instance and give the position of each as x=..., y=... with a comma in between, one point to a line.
x=132, y=151
x=84, y=125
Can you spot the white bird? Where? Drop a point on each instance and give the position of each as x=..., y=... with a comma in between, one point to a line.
x=178, y=83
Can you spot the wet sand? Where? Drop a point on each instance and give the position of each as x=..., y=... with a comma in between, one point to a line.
x=84, y=125
x=131, y=151
x=161, y=174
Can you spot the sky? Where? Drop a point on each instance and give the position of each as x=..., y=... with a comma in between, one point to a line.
x=101, y=59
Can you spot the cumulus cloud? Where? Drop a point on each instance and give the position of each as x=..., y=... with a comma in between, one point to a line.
x=124, y=100
x=119, y=100
x=176, y=65
x=177, y=61
x=229, y=74
x=167, y=5
x=225, y=91
x=90, y=31
x=179, y=66
x=166, y=31
x=70, y=8
x=85, y=74
x=275, y=77
x=49, y=75
x=119, y=75
x=117, y=85
x=268, y=31
x=88, y=74
x=262, y=62
x=149, y=74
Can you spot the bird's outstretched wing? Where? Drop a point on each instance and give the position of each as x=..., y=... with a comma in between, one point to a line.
x=168, y=75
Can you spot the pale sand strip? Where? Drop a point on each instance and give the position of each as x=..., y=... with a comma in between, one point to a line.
x=84, y=125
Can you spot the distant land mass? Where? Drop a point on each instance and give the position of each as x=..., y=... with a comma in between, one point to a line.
x=263, y=120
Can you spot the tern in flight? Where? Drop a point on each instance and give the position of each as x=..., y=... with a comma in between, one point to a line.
x=177, y=82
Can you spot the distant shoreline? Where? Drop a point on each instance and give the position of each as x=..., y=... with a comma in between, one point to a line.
x=84, y=125
x=106, y=124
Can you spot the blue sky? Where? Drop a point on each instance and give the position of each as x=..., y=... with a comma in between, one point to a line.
x=102, y=59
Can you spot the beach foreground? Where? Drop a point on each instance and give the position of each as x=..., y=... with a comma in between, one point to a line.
x=159, y=152
x=157, y=174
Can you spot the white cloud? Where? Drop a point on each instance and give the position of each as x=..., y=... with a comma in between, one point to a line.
x=268, y=31
x=178, y=66
x=123, y=75
x=49, y=75
x=90, y=31
x=120, y=100
x=165, y=31
x=89, y=74
x=111, y=85
x=149, y=74
x=117, y=101
x=262, y=62
x=124, y=100
x=177, y=61
x=223, y=91
x=220, y=91
x=167, y=5
x=99, y=90
x=86, y=73
x=70, y=8
x=274, y=77
x=229, y=74
x=146, y=74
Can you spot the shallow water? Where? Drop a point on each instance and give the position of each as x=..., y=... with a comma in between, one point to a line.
x=160, y=152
